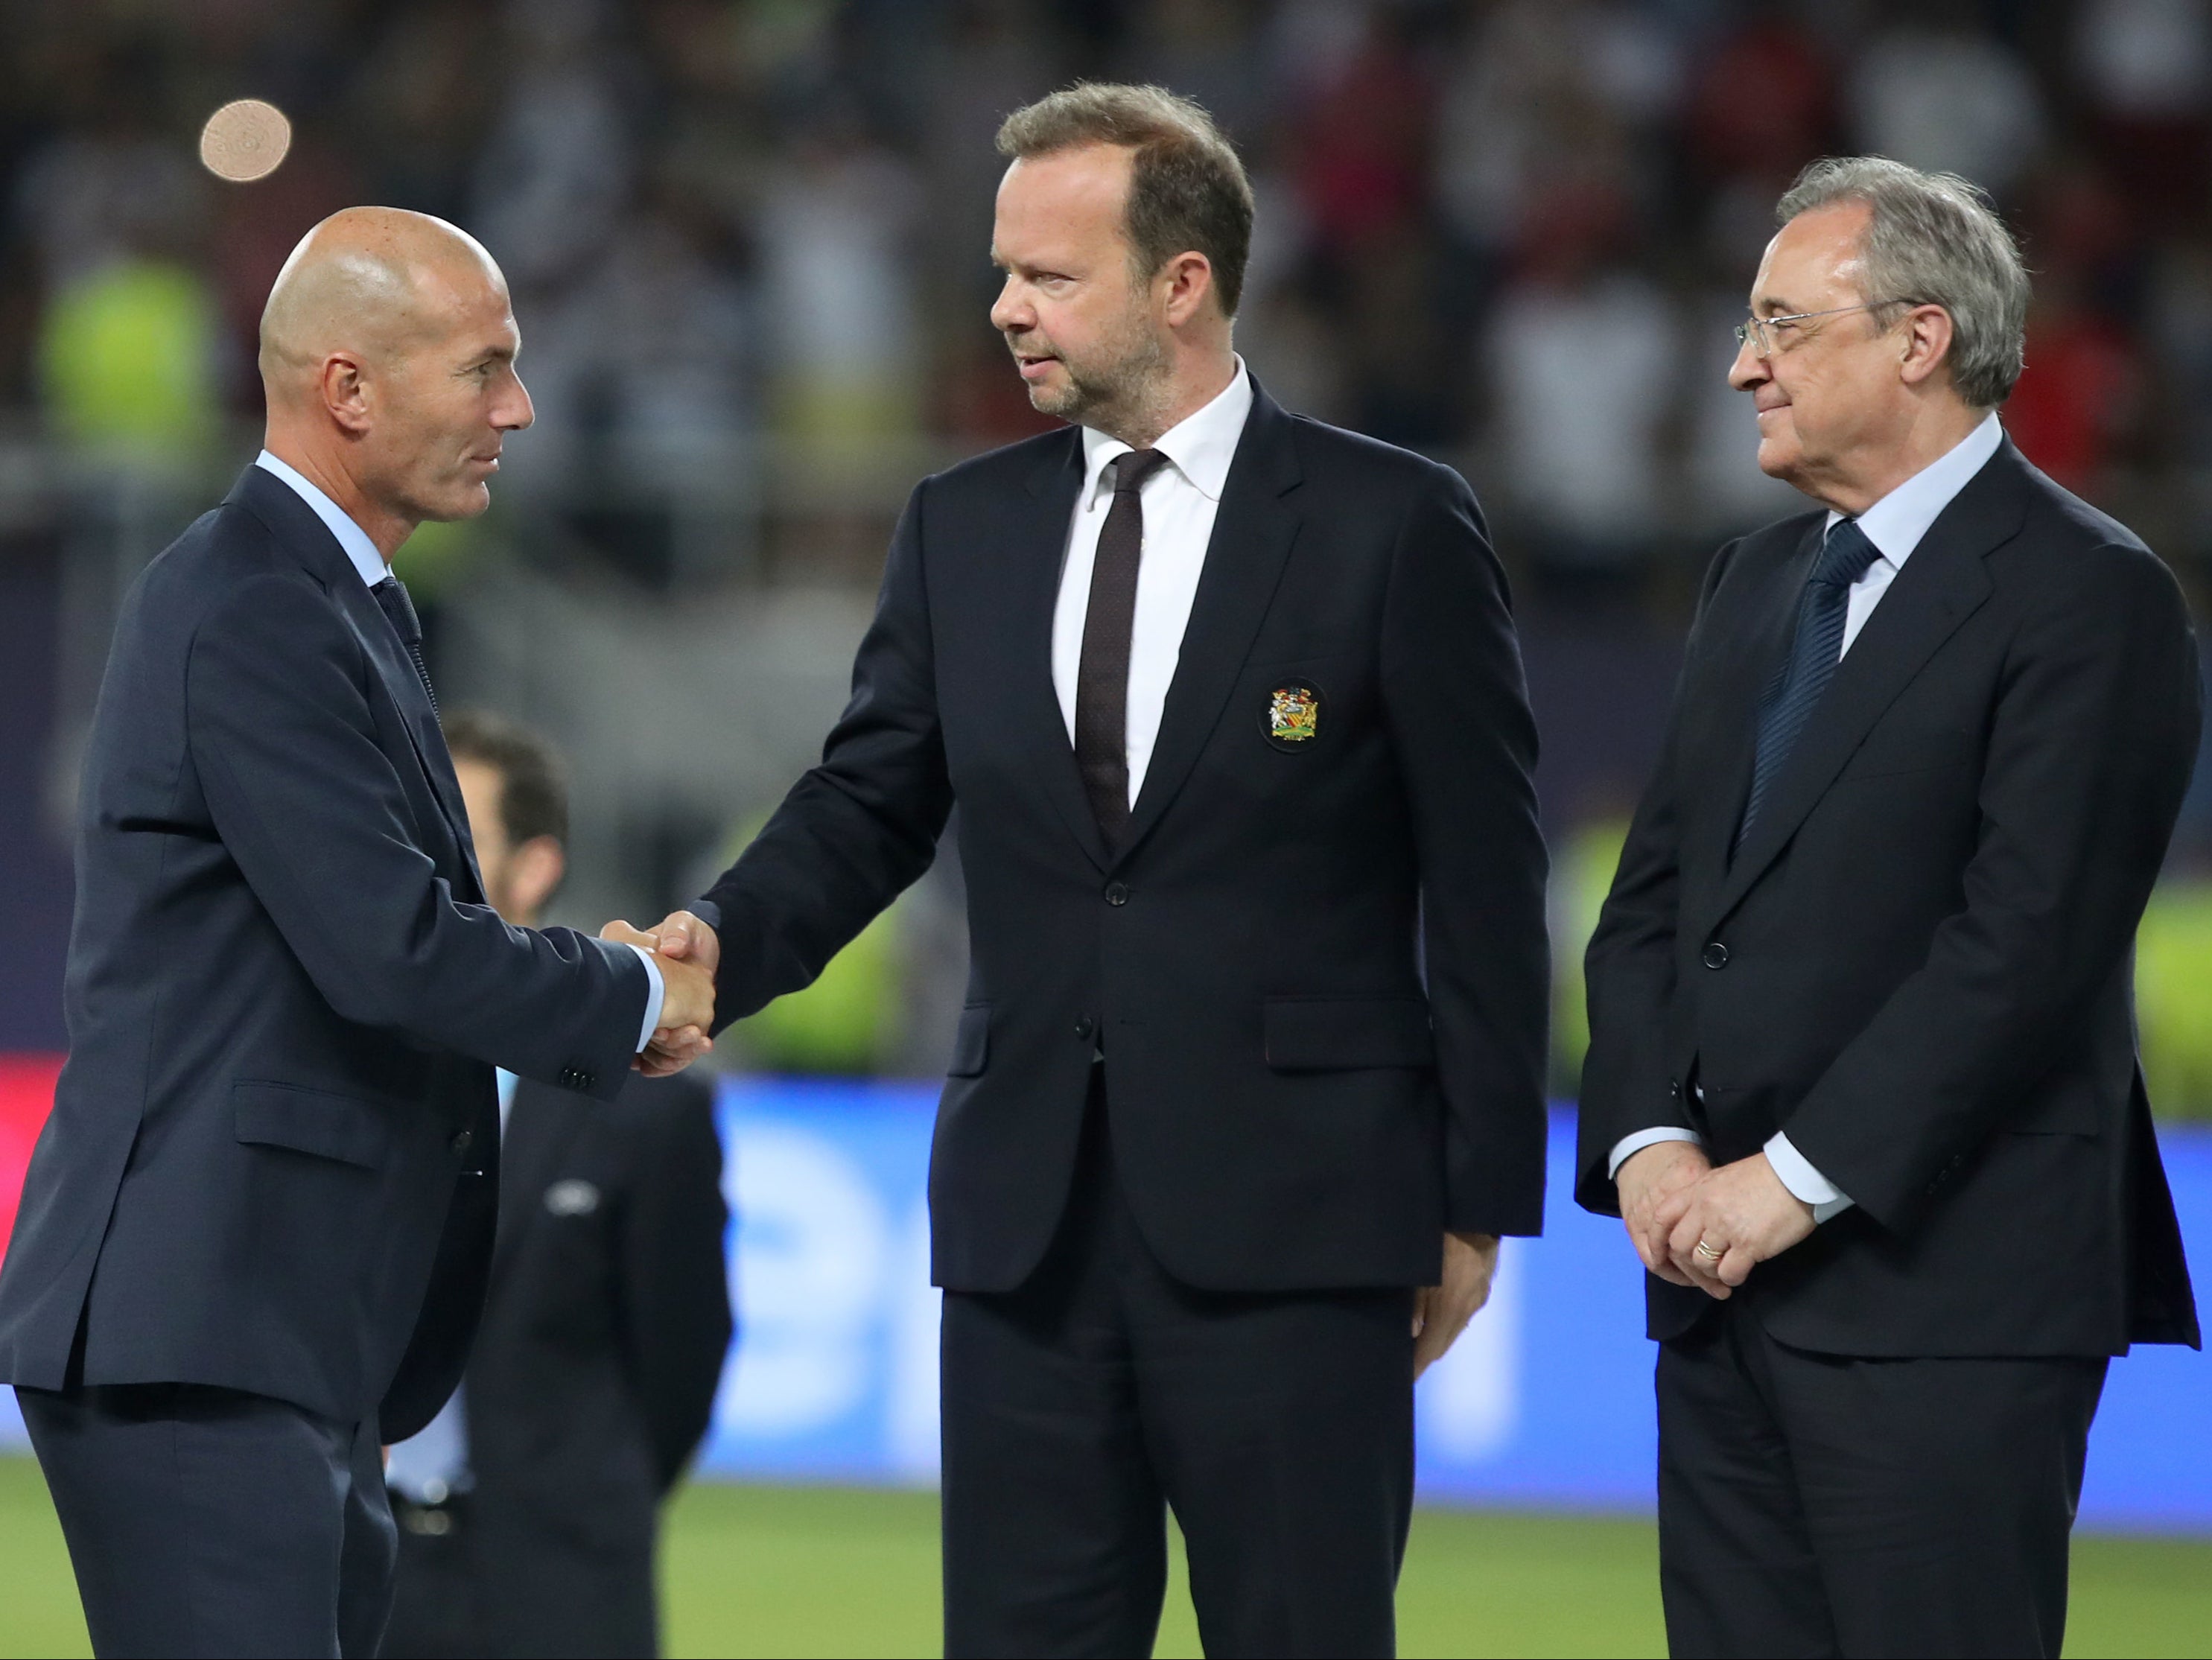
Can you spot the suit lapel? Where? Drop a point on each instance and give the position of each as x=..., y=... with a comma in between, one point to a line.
x=1764, y=645
x=1039, y=541
x=1253, y=531
x=541, y=1128
x=397, y=669
x=1941, y=584
x=295, y=524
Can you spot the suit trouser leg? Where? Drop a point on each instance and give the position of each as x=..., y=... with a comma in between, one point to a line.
x=208, y=1521
x=1936, y=1496
x=1280, y=1425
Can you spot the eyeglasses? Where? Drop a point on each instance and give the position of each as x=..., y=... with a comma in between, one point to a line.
x=1768, y=334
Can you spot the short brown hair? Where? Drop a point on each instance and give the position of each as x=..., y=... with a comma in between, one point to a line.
x=1187, y=191
x=533, y=784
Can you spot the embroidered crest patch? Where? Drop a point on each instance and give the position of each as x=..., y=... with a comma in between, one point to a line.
x=1292, y=717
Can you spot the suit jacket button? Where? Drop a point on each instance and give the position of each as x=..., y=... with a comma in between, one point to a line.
x=1084, y=1028
x=462, y=1140
x=1674, y=1088
x=1117, y=893
x=1714, y=955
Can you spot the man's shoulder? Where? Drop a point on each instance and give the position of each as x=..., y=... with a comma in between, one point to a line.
x=1329, y=455
x=211, y=564
x=1009, y=466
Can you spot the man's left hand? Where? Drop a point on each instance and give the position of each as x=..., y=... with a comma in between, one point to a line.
x=1441, y=1312
x=1741, y=1215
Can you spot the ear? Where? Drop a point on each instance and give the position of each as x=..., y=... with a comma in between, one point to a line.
x=534, y=871
x=347, y=395
x=1927, y=342
x=1187, y=283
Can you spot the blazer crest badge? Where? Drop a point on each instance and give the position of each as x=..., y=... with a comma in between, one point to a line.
x=1292, y=717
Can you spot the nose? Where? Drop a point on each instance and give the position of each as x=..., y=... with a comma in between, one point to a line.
x=516, y=410
x=1749, y=369
x=1011, y=312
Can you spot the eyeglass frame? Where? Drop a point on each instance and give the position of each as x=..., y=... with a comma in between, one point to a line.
x=1755, y=328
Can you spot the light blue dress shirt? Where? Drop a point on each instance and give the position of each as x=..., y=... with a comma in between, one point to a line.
x=1895, y=525
x=369, y=562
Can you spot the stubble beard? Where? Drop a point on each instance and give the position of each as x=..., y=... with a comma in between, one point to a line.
x=1125, y=397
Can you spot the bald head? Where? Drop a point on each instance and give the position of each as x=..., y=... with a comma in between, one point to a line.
x=387, y=355
x=375, y=281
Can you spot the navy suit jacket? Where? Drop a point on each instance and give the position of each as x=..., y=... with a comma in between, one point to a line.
x=1919, y=961
x=1316, y=967
x=272, y=1160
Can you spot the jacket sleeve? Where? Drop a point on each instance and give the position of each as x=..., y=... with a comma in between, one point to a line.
x=1628, y=972
x=859, y=827
x=2089, y=751
x=675, y=1317
x=283, y=740
x=1458, y=712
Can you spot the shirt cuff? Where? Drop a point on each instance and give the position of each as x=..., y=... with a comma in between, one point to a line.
x=655, y=991
x=1796, y=1173
x=1629, y=1145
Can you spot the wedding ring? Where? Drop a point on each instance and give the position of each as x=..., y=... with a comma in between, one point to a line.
x=1705, y=1250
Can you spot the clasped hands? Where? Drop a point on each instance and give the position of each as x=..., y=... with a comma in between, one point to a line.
x=1697, y=1226
x=686, y=951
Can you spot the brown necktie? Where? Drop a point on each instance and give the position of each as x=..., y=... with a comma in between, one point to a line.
x=1102, y=682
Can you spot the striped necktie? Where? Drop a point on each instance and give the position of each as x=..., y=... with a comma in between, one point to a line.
x=1816, y=649
x=392, y=594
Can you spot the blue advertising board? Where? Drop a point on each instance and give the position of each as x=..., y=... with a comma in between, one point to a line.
x=1546, y=1401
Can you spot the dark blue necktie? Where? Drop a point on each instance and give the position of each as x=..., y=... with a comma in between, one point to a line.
x=392, y=594
x=1814, y=651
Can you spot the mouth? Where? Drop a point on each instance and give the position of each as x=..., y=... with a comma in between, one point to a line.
x=489, y=463
x=1033, y=365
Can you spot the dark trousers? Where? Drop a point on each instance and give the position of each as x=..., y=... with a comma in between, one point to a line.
x=1279, y=1427
x=1819, y=1504
x=207, y=1522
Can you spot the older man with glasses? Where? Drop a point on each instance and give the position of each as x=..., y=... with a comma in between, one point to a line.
x=1862, y=1081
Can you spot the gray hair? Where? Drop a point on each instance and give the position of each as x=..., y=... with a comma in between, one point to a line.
x=1934, y=239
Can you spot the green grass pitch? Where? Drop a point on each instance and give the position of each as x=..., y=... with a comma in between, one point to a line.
x=825, y=1571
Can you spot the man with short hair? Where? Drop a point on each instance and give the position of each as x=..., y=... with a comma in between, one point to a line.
x=255, y=1232
x=1232, y=708
x=1862, y=1078
x=529, y=1508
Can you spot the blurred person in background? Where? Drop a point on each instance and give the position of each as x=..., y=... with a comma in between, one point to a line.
x=1232, y=707
x=253, y=1238
x=529, y=1508
x=1862, y=1078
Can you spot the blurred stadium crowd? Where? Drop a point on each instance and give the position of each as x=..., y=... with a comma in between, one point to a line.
x=748, y=244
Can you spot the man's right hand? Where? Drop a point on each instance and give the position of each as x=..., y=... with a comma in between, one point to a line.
x=685, y=951
x=687, y=937
x=1655, y=1184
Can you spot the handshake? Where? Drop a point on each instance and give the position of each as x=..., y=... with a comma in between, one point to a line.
x=686, y=952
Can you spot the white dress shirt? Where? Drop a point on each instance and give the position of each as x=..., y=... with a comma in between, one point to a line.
x=369, y=560
x=1180, y=500
x=1895, y=525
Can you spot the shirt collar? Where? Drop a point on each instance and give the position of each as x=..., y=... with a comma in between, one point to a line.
x=1897, y=522
x=351, y=536
x=1200, y=447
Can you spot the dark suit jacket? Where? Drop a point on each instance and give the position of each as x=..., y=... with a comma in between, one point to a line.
x=1918, y=964
x=1294, y=1104
x=273, y=1138
x=593, y=1376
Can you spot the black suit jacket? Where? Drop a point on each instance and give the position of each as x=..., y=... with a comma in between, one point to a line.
x=270, y=1161
x=1317, y=968
x=593, y=1376
x=1919, y=963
